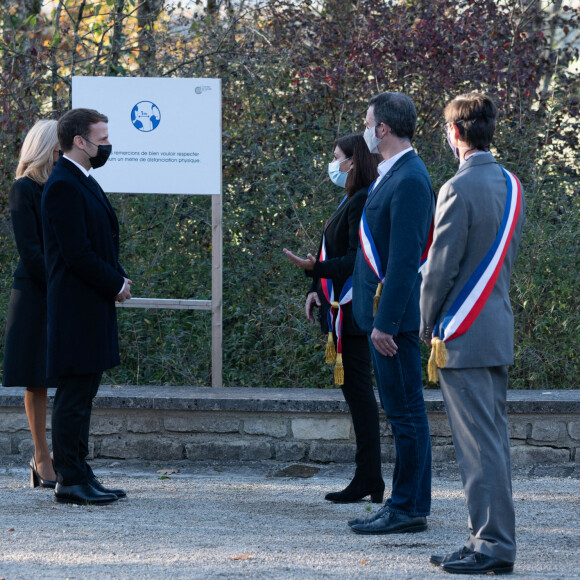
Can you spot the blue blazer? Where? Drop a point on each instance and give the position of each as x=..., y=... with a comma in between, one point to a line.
x=399, y=212
x=81, y=249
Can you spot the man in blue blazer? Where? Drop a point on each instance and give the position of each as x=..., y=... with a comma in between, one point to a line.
x=394, y=233
x=84, y=279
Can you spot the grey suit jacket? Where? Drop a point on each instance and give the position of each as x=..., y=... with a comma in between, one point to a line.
x=469, y=211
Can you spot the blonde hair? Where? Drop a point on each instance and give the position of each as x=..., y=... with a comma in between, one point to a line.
x=36, y=159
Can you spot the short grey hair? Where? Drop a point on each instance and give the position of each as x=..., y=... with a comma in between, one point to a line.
x=397, y=111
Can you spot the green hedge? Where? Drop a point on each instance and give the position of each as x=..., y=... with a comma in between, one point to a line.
x=293, y=79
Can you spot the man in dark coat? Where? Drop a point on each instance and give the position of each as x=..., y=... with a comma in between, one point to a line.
x=84, y=279
x=394, y=234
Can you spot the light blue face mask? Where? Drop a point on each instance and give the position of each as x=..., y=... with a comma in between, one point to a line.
x=451, y=146
x=337, y=176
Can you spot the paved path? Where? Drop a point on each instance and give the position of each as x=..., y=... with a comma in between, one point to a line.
x=246, y=521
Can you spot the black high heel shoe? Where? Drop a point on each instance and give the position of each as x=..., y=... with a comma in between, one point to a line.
x=355, y=491
x=36, y=480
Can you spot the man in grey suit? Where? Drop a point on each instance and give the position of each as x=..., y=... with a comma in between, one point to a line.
x=466, y=314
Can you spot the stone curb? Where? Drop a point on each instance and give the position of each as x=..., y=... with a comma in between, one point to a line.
x=280, y=400
x=245, y=424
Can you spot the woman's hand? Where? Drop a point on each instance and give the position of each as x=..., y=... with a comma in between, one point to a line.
x=312, y=301
x=307, y=264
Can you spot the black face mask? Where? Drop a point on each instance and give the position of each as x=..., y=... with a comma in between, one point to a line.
x=60, y=154
x=103, y=153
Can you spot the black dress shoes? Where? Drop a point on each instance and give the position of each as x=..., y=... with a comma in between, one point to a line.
x=477, y=563
x=392, y=523
x=459, y=555
x=384, y=510
x=82, y=494
x=96, y=484
x=356, y=491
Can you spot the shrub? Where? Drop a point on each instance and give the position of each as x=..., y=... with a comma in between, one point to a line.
x=296, y=75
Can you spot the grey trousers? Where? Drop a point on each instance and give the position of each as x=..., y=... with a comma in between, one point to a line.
x=475, y=400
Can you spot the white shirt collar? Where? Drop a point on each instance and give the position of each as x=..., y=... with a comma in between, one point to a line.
x=386, y=165
x=85, y=171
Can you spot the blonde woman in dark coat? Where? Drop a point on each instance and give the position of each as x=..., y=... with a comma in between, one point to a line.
x=25, y=344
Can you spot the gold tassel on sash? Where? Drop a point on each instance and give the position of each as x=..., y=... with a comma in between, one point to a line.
x=377, y=298
x=330, y=350
x=438, y=359
x=339, y=371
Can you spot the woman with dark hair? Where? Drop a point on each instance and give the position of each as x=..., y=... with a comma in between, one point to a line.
x=353, y=168
x=25, y=345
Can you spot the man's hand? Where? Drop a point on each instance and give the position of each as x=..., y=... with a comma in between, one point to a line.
x=125, y=293
x=384, y=342
x=312, y=301
x=307, y=264
x=427, y=341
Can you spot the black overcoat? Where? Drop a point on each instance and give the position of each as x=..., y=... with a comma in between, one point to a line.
x=25, y=344
x=81, y=240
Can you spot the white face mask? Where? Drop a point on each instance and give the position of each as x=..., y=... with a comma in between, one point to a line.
x=452, y=147
x=371, y=139
x=337, y=176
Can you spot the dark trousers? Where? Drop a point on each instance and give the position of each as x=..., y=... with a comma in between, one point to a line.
x=71, y=421
x=401, y=393
x=360, y=396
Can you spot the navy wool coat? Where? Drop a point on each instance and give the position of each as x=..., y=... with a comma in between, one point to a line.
x=81, y=244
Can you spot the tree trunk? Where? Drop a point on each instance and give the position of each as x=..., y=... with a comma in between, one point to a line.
x=147, y=13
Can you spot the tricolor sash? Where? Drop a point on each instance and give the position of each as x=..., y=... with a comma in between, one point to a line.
x=335, y=314
x=335, y=318
x=371, y=255
x=473, y=296
x=428, y=246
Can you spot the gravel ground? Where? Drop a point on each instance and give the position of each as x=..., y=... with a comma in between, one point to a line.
x=244, y=520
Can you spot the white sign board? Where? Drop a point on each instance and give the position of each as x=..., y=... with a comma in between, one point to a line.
x=166, y=133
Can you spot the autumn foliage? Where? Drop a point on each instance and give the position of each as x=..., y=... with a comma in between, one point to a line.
x=295, y=75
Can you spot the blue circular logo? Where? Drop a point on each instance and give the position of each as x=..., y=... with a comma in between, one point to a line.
x=145, y=116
